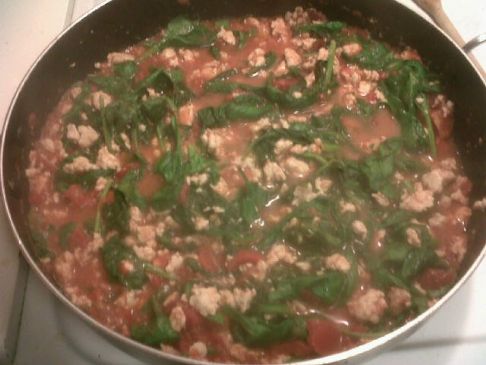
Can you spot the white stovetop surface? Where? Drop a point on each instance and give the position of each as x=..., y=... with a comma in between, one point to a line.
x=51, y=335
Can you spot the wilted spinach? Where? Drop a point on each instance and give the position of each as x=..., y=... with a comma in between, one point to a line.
x=405, y=90
x=155, y=332
x=242, y=107
x=256, y=331
x=86, y=179
x=321, y=29
x=114, y=254
x=374, y=55
x=158, y=330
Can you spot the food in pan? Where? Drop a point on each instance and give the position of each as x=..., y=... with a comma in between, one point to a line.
x=252, y=190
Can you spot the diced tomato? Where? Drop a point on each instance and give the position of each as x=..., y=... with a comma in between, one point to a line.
x=162, y=260
x=285, y=83
x=324, y=337
x=245, y=257
x=36, y=198
x=193, y=318
x=79, y=237
x=434, y=279
x=209, y=260
x=466, y=186
x=155, y=280
x=184, y=273
x=79, y=197
x=445, y=149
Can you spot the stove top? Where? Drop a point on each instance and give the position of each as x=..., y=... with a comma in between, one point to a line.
x=47, y=333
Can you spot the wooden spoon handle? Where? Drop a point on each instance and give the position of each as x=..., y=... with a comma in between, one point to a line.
x=436, y=11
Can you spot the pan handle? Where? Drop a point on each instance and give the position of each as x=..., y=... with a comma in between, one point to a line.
x=475, y=42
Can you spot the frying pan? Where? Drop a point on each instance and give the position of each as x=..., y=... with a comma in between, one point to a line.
x=118, y=24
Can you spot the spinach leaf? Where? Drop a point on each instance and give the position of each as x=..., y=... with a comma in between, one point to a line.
x=423, y=106
x=166, y=197
x=198, y=200
x=155, y=333
x=396, y=252
x=96, y=226
x=294, y=98
x=408, y=82
x=379, y=168
x=283, y=291
x=63, y=180
x=251, y=200
x=273, y=308
x=270, y=60
x=116, y=215
x=300, y=96
x=174, y=167
x=242, y=107
x=182, y=32
x=123, y=115
x=126, y=70
x=246, y=106
x=168, y=82
x=220, y=84
x=40, y=245
x=321, y=29
x=222, y=23
x=114, y=253
x=373, y=56
x=328, y=129
x=111, y=84
x=255, y=331
x=155, y=108
x=324, y=82
x=330, y=233
x=170, y=166
x=243, y=37
x=331, y=287
x=194, y=265
x=417, y=259
x=128, y=186
x=385, y=277
x=215, y=52
x=197, y=163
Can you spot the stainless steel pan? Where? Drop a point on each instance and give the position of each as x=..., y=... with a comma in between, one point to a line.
x=120, y=23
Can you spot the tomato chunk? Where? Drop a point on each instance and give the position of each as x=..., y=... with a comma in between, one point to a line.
x=434, y=279
x=245, y=257
x=79, y=197
x=324, y=337
x=79, y=237
x=209, y=260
